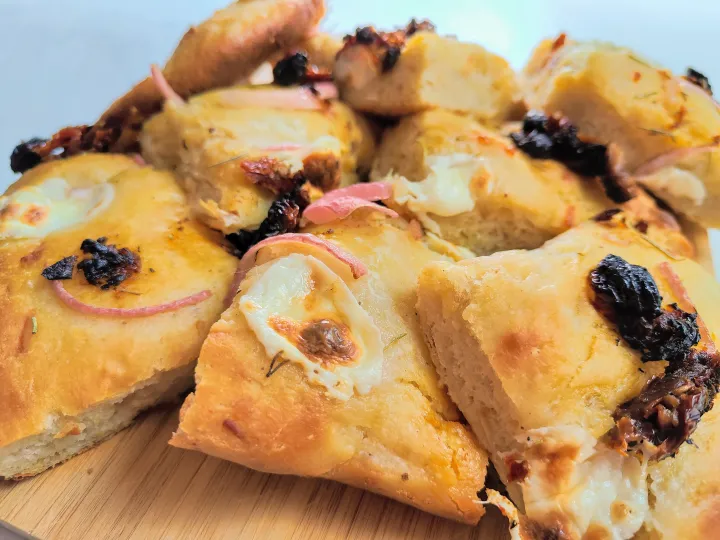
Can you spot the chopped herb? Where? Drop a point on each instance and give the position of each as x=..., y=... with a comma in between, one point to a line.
x=394, y=340
x=645, y=96
x=659, y=132
x=152, y=270
x=639, y=60
x=34, y=325
x=228, y=161
x=130, y=292
x=273, y=367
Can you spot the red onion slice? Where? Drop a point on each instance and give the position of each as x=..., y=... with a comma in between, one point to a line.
x=326, y=211
x=374, y=191
x=164, y=87
x=670, y=158
x=72, y=302
x=300, y=98
x=355, y=265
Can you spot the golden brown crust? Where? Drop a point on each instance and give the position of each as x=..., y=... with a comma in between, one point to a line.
x=614, y=95
x=208, y=140
x=74, y=360
x=432, y=72
x=541, y=363
x=225, y=48
x=519, y=202
x=402, y=439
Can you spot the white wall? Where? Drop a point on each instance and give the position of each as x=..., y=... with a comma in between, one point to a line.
x=62, y=62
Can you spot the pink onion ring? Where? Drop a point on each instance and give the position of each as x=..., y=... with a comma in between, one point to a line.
x=356, y=266
x=374, y=191
x=282, y=147
x=73, y=303
x=300, y=98
x=670, y=158
x=137, y=158
x=325, y=211
x=164, y=87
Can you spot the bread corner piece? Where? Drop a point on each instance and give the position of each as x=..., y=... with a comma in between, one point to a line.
x=428, y=71
x=377, y=419
x=538, y=373
x=70, y=379
x=233, y=155
x=666, y=126
x=472, y=186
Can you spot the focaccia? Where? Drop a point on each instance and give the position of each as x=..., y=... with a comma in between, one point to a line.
x=73, y=369
x=351, y=395
x=545, y=374
x=233, y=159
x=413, y=70
x=667, y=127
x=475, y=188
x=226, y=48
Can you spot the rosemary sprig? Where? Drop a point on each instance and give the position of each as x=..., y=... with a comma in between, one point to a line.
x=273, y=367
x=393, y=341
x=639, y=60
x=659, y=132
x=241, y=156
x=653, y=243
x=645, y=96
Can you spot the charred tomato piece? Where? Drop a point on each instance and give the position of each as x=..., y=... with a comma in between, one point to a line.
x=283, y=217
x=107, y=265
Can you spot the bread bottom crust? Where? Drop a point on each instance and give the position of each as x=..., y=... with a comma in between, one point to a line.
x=66, y=437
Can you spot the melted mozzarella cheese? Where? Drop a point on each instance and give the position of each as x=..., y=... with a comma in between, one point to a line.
x=446, y=189
x=592, y=485
x=297, y=290
x=36, y=211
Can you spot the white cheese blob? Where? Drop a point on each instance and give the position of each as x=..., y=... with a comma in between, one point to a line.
x=446, y=189
x=675, y=183
x=594, y=486
x=36, y=211
x=292, y=293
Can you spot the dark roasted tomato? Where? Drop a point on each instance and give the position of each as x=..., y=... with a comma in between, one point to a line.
x=291, y=70
x=24, y=157
x=698, y=79
x=107, y=266
x=387, y=46
x=283, y=217
x=552, y=137
x=666, y=412
x=63, y=269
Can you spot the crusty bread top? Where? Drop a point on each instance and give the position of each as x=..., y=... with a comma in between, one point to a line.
x=551, y=361
x=75, y=360
x=403, y=438
x=225, y=48
x=614, y=95
x=542, y=192
x=208, y=140
x=432, y=72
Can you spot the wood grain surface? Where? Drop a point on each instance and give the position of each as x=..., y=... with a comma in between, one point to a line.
x=136, y=486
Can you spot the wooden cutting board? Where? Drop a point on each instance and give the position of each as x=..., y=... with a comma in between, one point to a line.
x=136, y=486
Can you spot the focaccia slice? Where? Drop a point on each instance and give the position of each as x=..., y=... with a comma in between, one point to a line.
x=667, y=127
x=234, y=158
x=74, y=370
x=473, y=187
x=413, y=70
x=222, y=50
x=312, y=372
x=539, y=372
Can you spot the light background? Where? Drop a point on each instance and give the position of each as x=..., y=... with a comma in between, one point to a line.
x=62, y=62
